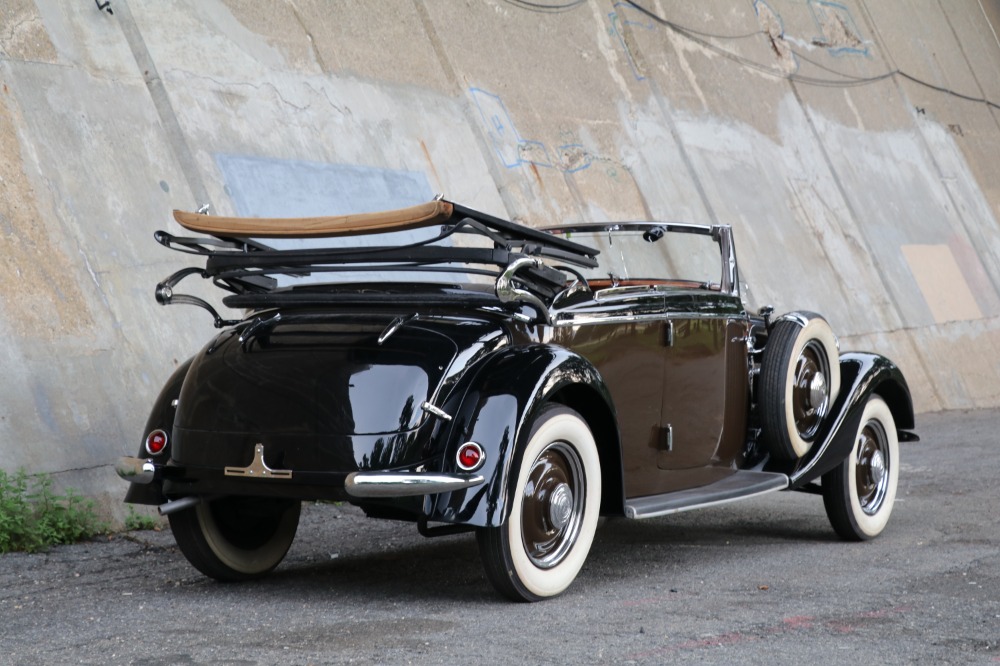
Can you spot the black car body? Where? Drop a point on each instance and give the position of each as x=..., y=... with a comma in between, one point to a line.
x=502, y=379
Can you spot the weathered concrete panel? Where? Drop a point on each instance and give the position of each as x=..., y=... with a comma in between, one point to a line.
x=854, y=190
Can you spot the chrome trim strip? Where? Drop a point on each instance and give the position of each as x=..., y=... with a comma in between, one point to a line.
x=258, y=468
x=583, y=318
x=636, y=225
x=407, y=484
x=135, y=470
x=802, y=319
x=796, y=317
x=777, y=484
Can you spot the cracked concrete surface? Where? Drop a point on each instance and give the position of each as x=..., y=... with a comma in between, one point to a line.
x=599, y=112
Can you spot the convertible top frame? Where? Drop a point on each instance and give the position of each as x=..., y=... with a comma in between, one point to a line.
x=245, y=267
x=239, y=264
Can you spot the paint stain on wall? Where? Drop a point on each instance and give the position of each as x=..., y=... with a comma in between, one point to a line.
x=839, y=33
x=38, y=294
x=773, y=27
x=941, y=282
x=22, y=33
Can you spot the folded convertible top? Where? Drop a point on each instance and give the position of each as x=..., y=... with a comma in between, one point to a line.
x=414, y=217
x=433, y=213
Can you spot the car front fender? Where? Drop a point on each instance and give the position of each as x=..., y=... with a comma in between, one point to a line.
x=862, y=375
x=496, y=410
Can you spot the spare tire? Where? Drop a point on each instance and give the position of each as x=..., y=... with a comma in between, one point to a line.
x=799, y=381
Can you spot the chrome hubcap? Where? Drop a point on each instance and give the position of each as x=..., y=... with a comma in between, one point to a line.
x=817, y=390
x=872, y=467
x=878, y=467
x=560, y=506
x=810, y=391
x=553, y=505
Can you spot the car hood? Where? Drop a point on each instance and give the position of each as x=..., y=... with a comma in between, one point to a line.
x=316, y=374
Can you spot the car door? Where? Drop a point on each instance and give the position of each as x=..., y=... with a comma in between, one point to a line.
x=669, y=338
x=622, y=332
x=704, y=394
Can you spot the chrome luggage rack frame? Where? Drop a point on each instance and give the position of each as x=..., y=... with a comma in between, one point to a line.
x=245, y=267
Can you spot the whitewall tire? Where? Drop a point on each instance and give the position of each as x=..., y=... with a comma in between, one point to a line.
x=860, y=492
x=799, y=382
x=554, y=509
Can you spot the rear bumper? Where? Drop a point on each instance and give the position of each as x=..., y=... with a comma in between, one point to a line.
x=135, y=470
x=407, y=484
x=143, y=471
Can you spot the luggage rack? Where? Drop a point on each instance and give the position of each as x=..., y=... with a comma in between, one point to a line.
x=237, y=262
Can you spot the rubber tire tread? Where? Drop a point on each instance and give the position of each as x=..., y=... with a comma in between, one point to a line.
x=188, y=532
x=835, y=485
x=494, y=548
x=778, y=355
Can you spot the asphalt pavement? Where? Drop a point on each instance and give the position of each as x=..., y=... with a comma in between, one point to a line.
x=764, y=581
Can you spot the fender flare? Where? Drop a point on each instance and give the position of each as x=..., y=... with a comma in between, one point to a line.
x=160, y=416
x=862, y=375
x=496, y=409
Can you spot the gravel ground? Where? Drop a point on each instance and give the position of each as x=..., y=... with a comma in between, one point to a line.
x=759, y=582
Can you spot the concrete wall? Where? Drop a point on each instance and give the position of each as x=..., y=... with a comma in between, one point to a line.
x=847, y=143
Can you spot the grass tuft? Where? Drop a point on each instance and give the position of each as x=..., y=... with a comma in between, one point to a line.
x=33, y=517
x=140, y=521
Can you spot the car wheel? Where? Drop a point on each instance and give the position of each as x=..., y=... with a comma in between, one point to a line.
x=541, y=547
x=799, y=381
x=859, y=493
x=236, y=538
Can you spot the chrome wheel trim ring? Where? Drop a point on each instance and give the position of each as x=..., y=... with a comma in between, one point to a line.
x=552, y=505
x=810, y=389
x=872, y=461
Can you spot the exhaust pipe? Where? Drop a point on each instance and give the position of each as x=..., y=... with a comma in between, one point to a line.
x=178, y=505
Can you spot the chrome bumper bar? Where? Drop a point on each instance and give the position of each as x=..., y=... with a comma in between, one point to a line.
x=407, y=484
x=135, y=470
x=357, y=484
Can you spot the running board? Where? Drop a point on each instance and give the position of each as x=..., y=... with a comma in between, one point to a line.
x=737, y=486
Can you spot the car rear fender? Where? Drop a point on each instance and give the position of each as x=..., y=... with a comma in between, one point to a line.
x=496, y=409
x=160, y=417
x=862, y=375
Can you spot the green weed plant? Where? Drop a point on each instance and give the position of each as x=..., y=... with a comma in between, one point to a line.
x=33, y=517
x=140, y=521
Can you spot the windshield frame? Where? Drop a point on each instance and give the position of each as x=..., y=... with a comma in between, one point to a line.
x=720, y=233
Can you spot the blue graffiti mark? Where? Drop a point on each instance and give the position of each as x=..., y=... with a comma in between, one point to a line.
x=500, y=128
x=617, y=20
x=757, y=4
x=497, y=124
x=839, y=34
x=574, y=157
x=513, y=150
x=765, y=13
x=534, y=152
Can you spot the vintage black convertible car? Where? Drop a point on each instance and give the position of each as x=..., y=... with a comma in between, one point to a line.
x=477, y=374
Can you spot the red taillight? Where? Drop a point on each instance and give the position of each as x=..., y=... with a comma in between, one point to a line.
x=470, y=456
x=156, y=442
